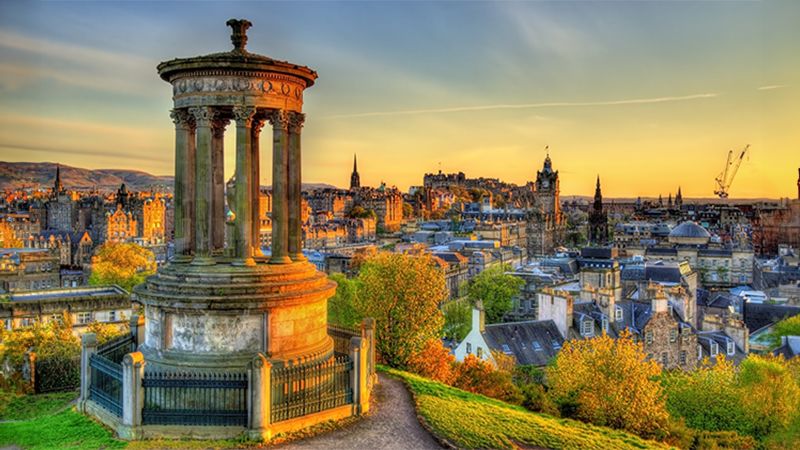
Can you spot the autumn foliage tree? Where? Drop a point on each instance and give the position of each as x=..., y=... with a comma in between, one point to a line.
x=123, y=264
x=434, y=361
x=481, y=377
x=609, y=382
x=8, y=238
x=402, y=293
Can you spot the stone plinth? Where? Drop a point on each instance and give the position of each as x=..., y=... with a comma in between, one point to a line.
x=225, y=314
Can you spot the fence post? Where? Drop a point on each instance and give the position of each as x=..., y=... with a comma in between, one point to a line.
x=137, y=328
x=88, y=348
x=358, y=376
x=132, y=396
x=369, y=331
x=259, y=402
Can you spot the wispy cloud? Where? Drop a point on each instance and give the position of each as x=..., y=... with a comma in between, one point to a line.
x=547, y=33
x=770, y=87
x=633, y=101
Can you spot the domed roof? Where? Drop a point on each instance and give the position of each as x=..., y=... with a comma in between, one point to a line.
x=689, y=233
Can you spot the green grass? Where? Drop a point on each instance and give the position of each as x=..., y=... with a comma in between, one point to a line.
x=24, y=407
x=64, y=430
x=474, y=421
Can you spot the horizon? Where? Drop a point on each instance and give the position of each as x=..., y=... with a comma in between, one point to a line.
x=480, y=88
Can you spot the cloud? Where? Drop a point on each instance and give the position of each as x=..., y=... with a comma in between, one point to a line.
x=770, y=87
x=546, y=33
x=634, y=101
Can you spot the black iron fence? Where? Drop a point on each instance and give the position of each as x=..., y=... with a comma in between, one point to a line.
x=106, y=386
x=177, y=398
x=310, y=388
x=116, y=349
x=341, y=338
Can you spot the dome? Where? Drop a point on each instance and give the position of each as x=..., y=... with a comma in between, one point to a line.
x=689, y=233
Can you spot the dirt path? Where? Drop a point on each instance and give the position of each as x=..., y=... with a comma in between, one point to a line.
x=391, y=425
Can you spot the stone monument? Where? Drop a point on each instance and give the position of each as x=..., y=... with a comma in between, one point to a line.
x=217, y=303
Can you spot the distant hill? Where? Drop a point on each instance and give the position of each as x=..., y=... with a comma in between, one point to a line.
x=14, y=175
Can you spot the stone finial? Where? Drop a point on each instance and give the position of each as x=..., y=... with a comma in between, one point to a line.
x=239, y=33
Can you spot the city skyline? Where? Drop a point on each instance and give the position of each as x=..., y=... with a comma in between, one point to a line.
x=650, y=96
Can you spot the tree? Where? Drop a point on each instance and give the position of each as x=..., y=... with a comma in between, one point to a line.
x=434, y=361
x=457, y=320
x=786, y=327
x=495, y=288
x=402, y=293
x=123, y=264
x=609, y=382
x=342, y=306
x=481, y=377
x=408, y=211
x=770, y=394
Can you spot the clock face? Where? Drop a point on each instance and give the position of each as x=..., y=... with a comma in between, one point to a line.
x=545, y=184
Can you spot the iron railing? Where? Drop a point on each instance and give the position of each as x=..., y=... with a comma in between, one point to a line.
x=178, y=398
x=57, y=373
x=106, y=386
x=310, y=388
x=116, y=349
x=341, y=337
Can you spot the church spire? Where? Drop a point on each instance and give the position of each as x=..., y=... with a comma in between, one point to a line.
x=58, y=187
x=355, y=178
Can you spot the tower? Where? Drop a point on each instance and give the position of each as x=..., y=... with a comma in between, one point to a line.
x=678, y=199
x=545, y=219
x=355, y=178
x=58, y=187
x=598, y=218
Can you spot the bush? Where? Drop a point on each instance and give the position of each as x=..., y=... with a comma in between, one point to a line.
x=434, y=362
x=480, y=377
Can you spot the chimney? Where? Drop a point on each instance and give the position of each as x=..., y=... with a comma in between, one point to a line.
x=658, y=298
x=479, y=317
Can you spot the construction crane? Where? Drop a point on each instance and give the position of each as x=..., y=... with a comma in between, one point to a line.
x=725, y=177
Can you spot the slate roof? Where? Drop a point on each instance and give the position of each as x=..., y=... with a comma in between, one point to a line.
x=790, y=348
x=705, y=339
x=532, y=342
x=717, y=299
x=661, y=251
x=759, y=315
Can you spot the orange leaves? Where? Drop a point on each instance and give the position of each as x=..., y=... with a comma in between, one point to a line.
x=434, y=362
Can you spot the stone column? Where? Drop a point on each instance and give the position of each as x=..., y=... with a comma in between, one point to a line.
x=258, y=124
x=260, y=401
x=88, y=348
x=218, y=183
x=244, y=185
x=280, y=204
x=137, y=328
x=203, y=179
x=132, y=396
x=296, y=120
x=358, y=376
x=368, y=330
x=183, y=201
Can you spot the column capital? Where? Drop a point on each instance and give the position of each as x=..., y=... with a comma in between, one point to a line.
x=257, y=125
x=296, y=120
x=279, y=119
x=181, y=118
x=243, y=115
x=203, y=115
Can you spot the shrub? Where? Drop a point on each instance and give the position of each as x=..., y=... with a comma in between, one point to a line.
x=434, y=362
x=478, y=376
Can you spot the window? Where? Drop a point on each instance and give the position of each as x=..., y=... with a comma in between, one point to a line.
x=731, y=347
x=665, y=359
x=27, y=322
x=683, y=357
x=9, y=324
x=469, y=348
x=480, y=352
x=112, y=316
x=57, y=318
x=673, y=335
x=506, y=350
x=618, y=313
x=699, y=352
x=84, y=318
x=714, y=348
x=604, y=323
x=537, y=346
x=587, y=328
x=556, y=344
x=648, y=338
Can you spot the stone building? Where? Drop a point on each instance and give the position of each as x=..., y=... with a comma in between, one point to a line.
x=598, y=219
x=546, y=222
x=152, y=222
x=105, y=304
x=28, y=270
x=355, y=178
x=62, y=213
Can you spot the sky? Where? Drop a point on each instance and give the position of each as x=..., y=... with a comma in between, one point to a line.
x=648, y=95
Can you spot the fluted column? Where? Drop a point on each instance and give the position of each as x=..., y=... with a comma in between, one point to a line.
x=280, y=202
x=243, y=115
x=218, y=183
x=183, y=201
x=203, y=115
x=258, y=124
x=296, y=120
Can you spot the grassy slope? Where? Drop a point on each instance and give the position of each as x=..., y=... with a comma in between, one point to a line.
x=474, y=421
